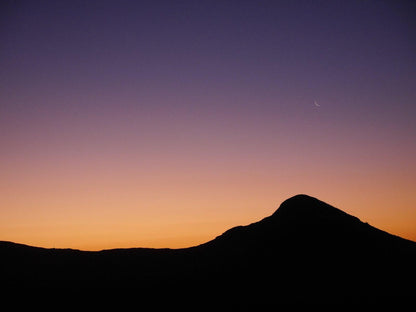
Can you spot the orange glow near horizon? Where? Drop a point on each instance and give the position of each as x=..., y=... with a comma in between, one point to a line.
x=181, y=209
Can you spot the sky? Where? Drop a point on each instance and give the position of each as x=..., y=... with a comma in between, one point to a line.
x=165, y=123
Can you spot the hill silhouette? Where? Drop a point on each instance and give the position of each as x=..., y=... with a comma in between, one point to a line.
x=305, y=252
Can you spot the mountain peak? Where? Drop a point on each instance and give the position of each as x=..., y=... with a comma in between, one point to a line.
x=306, y=208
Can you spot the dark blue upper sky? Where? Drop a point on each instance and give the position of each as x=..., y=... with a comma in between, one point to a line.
x=299, y=50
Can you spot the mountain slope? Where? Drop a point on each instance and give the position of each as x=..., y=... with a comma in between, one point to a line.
x=318, y=253
x=307, y=251
x=308, y=222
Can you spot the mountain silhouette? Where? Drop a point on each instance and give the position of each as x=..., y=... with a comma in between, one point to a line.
x=305, y=252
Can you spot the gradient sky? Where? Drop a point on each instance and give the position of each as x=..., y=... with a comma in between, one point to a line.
x=164, y=123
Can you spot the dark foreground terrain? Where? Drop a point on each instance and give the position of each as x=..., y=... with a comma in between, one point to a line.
x=307, y=252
